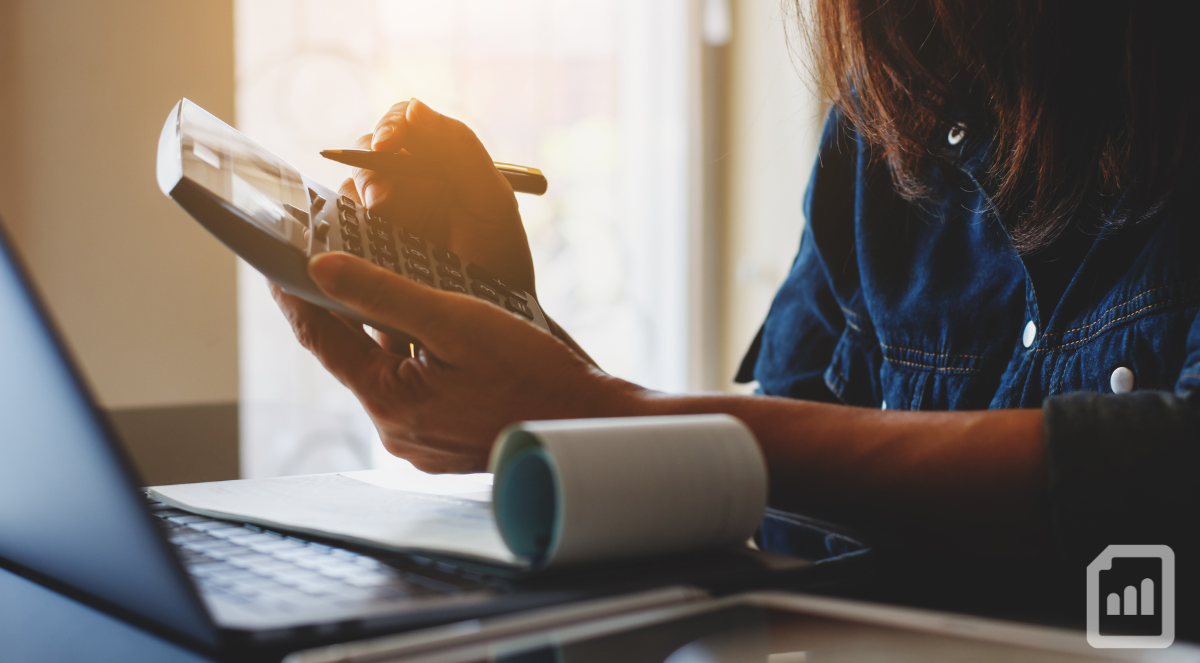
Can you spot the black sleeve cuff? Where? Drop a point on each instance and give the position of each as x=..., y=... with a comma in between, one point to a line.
x=1122, y=469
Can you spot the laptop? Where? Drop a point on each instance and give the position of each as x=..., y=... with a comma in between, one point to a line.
x=72, y=516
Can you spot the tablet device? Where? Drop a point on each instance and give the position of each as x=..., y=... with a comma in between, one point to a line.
x=276, y=218
x=758, y=627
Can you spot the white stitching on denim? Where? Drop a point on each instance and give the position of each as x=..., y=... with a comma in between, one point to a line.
x=939, y=369
x=931, y=354
x=1124, y=303
x=1113, y=322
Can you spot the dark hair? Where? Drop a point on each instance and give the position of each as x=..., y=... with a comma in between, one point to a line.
x=1088, y=104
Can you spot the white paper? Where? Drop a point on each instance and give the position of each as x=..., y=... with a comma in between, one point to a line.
x=346, y=508
x=626, y=488
x=476, y=487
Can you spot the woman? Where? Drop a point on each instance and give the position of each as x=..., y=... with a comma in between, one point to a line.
x=992, y=240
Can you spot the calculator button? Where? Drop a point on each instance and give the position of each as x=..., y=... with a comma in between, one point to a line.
x=420, y=278
x=480, y=274
x=519, y=306
x=350, y=231
x=445, y=270
x=485, y=291
x=381, y=236
x=318, y=204
x=453, y=286
x=321, y=231
x=346, y=205
x=386, y=251
x=373, y=217
x=411, y=239
x=349, y=217
x=297, y=213
x=416, y=269
x=353, y=246
x=445, y=256
x=416, y=254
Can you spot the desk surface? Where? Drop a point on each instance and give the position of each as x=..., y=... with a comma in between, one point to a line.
x=39, y=624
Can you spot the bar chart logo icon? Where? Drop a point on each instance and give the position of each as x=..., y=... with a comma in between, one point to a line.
x=1131, y=598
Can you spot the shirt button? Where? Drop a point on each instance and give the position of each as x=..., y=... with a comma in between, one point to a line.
x=1121, y=380
x=1030, y=334
x=957, y=133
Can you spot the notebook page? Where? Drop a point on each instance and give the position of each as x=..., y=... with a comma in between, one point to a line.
x=341, y=507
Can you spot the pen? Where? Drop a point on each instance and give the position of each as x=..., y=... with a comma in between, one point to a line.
x=522, y=179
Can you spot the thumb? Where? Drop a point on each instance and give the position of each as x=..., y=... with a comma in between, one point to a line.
x=382, y=295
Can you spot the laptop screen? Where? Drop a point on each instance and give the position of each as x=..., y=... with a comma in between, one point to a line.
x=69, y=505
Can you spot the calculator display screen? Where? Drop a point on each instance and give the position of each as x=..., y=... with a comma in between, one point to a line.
x=261, y=185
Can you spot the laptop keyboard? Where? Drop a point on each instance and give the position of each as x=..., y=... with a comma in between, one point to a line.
x=268, y=570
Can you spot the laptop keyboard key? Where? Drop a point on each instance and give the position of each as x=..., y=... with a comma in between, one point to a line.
x=212, y=525
x=366, y=580
x=186, y=519
x=275, y=546
x=252, y=560
x=268, y=571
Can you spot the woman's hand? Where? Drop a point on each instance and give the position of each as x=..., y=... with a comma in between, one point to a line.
x=965, y=478
x=478, y=369
x=472, y=212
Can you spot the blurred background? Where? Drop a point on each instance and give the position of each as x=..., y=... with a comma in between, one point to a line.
x=677, y=137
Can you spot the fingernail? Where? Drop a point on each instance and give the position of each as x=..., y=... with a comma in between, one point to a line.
x=376, y=193
x=325, y=269
x=381, y=134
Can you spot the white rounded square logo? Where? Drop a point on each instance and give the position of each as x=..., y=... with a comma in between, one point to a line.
x=1131, y=598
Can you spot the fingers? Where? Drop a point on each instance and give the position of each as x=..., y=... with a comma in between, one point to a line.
x=465, y=163
x=373, y=189
x=391, y=299
x=350, y=189
x=382, y=193
x=345, y=351
x=390, y=129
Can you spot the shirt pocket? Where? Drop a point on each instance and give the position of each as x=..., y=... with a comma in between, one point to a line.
x=1153, y=348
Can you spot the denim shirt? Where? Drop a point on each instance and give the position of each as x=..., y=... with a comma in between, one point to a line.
x=927, y=306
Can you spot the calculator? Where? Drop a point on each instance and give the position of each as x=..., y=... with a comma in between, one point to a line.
x=275, y=218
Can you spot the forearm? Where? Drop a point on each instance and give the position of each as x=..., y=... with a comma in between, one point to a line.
x=971, y=476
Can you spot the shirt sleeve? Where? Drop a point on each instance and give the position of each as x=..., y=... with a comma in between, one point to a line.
x=795, y=345
x=1122, y=467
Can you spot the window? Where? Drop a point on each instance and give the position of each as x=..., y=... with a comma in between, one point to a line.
x=596, y=93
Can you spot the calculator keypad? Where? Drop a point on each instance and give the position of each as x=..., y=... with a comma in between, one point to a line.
x=348, y=228
x=485, y=291
x=447, y=272
x=366, y=234
x=417, y=269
